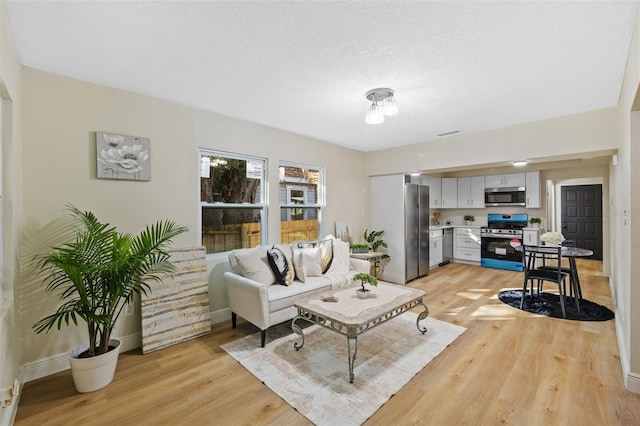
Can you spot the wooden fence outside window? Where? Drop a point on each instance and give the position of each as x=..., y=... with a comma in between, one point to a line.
x=247, y=235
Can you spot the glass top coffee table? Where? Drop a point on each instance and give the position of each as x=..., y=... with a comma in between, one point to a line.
x=352, y=316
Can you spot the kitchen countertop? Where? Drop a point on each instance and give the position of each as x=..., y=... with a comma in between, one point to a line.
x=435, y=227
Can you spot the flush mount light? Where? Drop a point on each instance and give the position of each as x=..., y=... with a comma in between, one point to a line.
x=520, y=163
x=382, y=103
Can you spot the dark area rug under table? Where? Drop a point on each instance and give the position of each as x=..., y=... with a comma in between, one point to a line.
x=548, y=304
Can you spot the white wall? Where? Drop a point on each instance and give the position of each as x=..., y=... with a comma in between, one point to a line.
x=11, y=98
x=625, y=220
x=576, y=136
x=387, y=214
x=59, y=120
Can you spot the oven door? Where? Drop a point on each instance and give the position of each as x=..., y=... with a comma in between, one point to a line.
x=499, y=251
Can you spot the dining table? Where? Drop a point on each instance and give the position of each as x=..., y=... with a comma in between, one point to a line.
x=571, y=253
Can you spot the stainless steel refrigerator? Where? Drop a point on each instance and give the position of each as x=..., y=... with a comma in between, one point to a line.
x=416, y=230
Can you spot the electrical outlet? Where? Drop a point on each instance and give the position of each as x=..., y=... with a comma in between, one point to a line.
x=6, y=396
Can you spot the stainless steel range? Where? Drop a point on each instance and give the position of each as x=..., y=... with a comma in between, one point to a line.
x=503, y=233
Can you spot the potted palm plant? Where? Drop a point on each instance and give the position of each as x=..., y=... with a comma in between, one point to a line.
x=96, y=275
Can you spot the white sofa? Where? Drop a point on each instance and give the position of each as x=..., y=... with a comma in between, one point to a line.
x=255, y=295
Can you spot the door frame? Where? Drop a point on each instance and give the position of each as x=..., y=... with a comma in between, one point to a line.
x=554, y=203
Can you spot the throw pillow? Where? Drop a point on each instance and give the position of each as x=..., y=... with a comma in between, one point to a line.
x=288, y=255
x=326, y=251
x=326, y=254
x=312, y=261
x=252, y=264
x=280, y=266
x=299, y=266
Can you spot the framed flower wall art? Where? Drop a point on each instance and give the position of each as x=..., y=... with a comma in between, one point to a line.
x=123, y=157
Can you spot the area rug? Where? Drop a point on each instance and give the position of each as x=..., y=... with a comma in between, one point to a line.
x=548, y=304
x=315, y=379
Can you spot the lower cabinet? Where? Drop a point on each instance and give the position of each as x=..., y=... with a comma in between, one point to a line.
x=435, y=248
x=466, y=244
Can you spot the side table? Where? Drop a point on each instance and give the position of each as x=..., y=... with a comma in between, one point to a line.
x=374, y=257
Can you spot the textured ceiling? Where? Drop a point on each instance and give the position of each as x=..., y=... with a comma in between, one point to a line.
x=305, y=66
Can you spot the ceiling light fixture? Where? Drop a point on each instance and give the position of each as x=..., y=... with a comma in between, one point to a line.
x=520, y=163
x=382, y=103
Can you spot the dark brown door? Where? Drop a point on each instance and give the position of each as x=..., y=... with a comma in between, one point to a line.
x=582, y=217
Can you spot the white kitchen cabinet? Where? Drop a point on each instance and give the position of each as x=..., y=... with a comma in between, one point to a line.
x=435, y=191
x=533, y=190
x=466, y=244
x=471, y=192
x=505, y=181
x=449, y=193
x=435, y=248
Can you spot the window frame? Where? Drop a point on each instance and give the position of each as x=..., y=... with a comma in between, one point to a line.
x=263, y=206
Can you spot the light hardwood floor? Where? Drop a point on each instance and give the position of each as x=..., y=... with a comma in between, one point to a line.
x=509, y=367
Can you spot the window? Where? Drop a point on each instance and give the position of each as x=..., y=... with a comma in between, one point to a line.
x=301, y=202
x=232, y=201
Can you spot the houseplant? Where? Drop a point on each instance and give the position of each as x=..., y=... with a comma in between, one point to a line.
x=469, y=219
x=96, y=276
x=363, y=292
x=359, y=248
x=375, y=241
x=535, y=221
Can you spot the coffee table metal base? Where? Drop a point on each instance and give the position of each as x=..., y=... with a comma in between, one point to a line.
x=352, y=331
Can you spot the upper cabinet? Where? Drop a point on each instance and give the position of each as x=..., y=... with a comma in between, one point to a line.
x=468, y=192
x=435, y=191
x=471, y=192
x=505, y=181
x=449, y=193
x=533, y=190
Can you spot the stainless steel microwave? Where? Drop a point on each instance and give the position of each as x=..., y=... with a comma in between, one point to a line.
x=514, y=196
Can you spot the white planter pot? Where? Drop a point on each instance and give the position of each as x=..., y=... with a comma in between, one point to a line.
x=363, y=294
x=90, y=374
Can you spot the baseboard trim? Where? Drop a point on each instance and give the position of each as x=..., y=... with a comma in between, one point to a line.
x=632, y=382
x=45, y=367
x=393, y=278
x=221, y=315
x=631, y=379
x=622, y=350
x=56, y=363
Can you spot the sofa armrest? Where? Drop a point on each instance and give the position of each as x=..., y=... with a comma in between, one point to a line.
x=360, y=265
x=248, y=298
